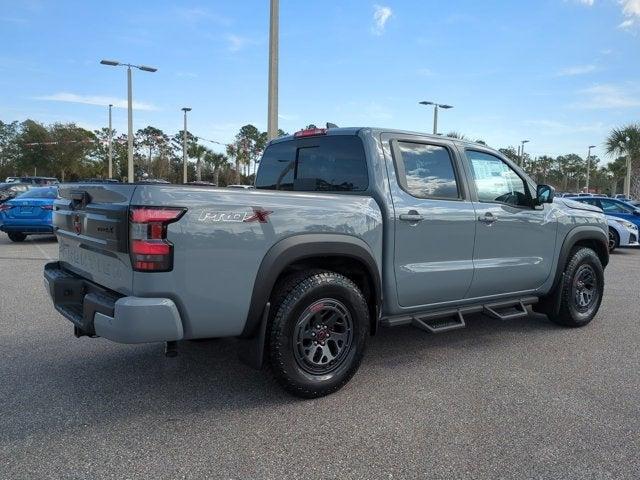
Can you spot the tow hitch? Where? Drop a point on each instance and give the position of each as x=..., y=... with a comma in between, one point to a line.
x=171, y=349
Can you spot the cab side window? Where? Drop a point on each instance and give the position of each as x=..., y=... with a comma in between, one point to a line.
x=497, y=182
x=426, y=171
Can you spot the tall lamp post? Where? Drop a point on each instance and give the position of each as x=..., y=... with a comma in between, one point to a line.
x=110, y=144
x=184, y=145
x=588, y=162
x=272, y=115
x=435, y=113
x=627, y=178
x=144, y=68
x=522, y=152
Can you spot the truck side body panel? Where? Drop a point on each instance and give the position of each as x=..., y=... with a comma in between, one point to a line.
x=217, y=252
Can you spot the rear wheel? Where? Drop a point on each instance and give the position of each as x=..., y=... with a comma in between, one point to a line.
x=16, y=236
x=614, y=240
x=318, y=333
x=582, y=289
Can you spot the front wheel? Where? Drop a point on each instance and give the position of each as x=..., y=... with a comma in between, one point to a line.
x=614, y=240
x=318, y=333
x=582, y=289
x=17, y=236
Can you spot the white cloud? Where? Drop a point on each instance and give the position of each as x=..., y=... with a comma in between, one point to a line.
x=381, y=16
x=552, y=127
x=588, y=3
x=237, y=43
x=95, y=100
x=195, y=15
x=425, y=72
x=631, y=12
x=288, y=117
x=186, y=75
x=576, y=70
x=610, y=96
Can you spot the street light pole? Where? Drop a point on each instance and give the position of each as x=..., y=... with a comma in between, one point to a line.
x=130, y=178
x=435, y=113
x=435, y=119
x=627, y=178
x=272, y=115
x=184, y=145
x=588, y=162
x=113, y=63
x=110, y=144
x=522, y=152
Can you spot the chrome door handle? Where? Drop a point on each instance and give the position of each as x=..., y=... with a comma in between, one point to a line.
x=412, y=216
x=487, y=218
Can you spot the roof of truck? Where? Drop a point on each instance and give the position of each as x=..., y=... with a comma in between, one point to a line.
x=377, y=131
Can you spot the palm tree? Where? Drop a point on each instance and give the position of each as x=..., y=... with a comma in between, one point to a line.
x=198, y=151
x=458, y=135
x=217, y=161
x=626, y=141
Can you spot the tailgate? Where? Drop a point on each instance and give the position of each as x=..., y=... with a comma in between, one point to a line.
x=91, y=222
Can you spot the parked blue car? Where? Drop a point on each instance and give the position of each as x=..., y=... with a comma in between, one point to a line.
x=29, y=213
x=613, y=207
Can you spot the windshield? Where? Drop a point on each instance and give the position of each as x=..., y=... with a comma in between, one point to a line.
x=45, y=192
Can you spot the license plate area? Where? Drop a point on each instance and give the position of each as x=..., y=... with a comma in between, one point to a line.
x=77, y=298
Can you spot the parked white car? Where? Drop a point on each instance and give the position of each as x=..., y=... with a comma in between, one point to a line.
x=622, y=233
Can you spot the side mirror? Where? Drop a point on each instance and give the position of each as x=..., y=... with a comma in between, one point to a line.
x=544, y=194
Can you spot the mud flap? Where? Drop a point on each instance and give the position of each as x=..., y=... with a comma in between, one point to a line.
x=251, y=350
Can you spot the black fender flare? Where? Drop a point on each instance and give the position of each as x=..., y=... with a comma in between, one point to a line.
x=551, y=302
x=296, y=248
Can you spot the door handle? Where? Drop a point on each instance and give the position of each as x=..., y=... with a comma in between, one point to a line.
x=487, y=218
x=412, y=216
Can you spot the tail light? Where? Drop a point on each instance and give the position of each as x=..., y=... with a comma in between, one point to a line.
x=46, y=207
x=149, y=248
x=5, y=207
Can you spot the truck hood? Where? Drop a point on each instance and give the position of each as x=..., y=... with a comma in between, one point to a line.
x=565, y=202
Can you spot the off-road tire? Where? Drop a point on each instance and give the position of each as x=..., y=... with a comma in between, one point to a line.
x=290, y=306
x=17, y=236
x=614, y=240
x=582, y=263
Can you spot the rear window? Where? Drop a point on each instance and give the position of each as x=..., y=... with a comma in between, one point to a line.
x=317, y=164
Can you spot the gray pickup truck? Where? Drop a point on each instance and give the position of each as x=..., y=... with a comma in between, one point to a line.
x=347, y=230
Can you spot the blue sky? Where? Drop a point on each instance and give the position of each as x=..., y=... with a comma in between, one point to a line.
x=561, y=73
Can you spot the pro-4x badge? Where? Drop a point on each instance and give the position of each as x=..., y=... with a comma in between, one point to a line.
x=257, y=215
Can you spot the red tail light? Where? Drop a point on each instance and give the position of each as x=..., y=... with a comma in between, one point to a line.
x=4, y=207
x=46, y=207
x=149, y=248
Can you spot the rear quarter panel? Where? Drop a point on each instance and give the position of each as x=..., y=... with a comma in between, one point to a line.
x=217, y=255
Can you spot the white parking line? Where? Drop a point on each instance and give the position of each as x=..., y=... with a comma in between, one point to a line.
x=43, y=252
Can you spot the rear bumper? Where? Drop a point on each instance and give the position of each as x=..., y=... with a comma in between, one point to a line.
x=94, y=310
x=25, y=228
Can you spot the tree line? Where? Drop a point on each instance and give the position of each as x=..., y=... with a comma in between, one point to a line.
x=70, y=152
x=568, y=173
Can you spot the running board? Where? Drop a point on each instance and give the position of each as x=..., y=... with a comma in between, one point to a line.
x=503, y=311
x=439, y=321
x=439, y=324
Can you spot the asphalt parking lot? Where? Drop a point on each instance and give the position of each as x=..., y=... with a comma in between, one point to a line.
x=523, y=399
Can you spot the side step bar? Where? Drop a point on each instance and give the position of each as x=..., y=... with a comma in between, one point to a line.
x=439, y=321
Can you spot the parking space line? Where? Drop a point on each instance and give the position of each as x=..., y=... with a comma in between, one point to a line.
x=43, y=252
